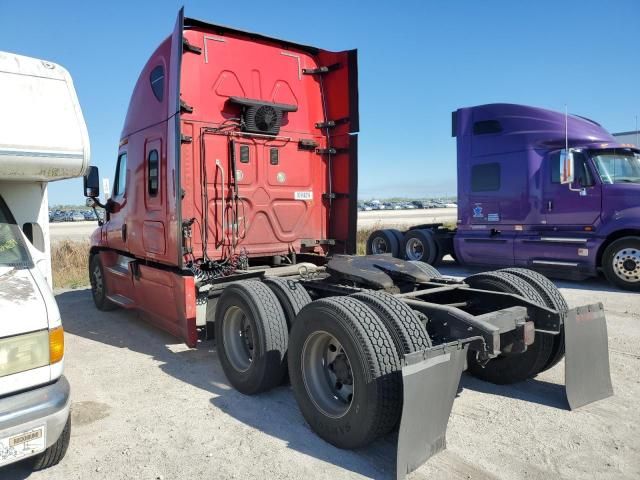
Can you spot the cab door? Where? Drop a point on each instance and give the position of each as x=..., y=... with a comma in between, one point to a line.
x=564, y=206
x=116, y=225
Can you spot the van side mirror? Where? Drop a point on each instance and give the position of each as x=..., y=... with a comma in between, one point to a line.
x=92, y=183
x=566, y=167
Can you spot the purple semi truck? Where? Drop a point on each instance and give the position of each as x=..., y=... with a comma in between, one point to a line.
x=537, y=189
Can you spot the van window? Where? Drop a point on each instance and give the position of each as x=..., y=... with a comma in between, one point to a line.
x=153, y=170
x=485, y=177
x=13, y=250
x=582, y=173
x=5, y=214
x=157, y=82
x=120, y=182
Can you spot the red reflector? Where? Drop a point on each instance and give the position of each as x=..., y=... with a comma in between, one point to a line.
x=529, y=333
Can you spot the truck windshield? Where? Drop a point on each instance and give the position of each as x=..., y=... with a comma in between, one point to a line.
x=618, y=167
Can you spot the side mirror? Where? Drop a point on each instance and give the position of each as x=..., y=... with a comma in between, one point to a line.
x=566, y=167
x=92, y=183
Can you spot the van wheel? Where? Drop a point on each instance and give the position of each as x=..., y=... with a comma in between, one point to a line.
x=98, y=285
x=345, y=372
x=52, y=455
x=251, y=337
x=383, y=241
x=621, y=263
x=552, y=299
x=505, y=369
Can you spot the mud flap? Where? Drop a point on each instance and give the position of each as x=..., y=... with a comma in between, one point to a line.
x=586, y=363
x=430, y=380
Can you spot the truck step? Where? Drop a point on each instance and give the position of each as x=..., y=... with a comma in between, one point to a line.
x=122, y=301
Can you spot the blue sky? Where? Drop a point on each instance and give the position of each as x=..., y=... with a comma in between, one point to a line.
x=418, y=61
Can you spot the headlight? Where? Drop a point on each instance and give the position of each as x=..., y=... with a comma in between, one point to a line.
x=24, y=352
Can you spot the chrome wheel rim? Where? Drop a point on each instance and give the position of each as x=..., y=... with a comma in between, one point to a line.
x=238, y=338
x=379, y=245
x=327, y=374
x=626, y=265
x=414, y=249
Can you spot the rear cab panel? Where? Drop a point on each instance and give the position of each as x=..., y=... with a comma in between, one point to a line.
x=200, y=186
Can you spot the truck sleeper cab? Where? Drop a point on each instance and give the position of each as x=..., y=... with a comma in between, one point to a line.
x=234, y=205
x=515, y=210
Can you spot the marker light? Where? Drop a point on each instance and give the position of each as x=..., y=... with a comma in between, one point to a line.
x=56, y=345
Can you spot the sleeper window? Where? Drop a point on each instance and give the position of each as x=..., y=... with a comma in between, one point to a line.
x=485, y=177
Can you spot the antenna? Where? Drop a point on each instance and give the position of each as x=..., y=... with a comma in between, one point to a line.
x=566, y=128
x=637, y=133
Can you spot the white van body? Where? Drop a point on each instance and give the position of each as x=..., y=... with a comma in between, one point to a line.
x=43, y=138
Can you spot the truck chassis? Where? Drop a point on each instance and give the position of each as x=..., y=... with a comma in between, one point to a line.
x=373, y=343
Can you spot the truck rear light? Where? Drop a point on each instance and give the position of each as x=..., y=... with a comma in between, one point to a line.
x=56, y=345
x=529, y=333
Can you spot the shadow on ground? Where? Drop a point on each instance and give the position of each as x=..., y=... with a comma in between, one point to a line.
x=533, y=391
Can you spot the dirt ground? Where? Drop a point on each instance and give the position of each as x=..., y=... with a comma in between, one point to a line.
x=146, y=407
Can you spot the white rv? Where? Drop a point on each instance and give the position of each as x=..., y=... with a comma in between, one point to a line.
x=43, y=138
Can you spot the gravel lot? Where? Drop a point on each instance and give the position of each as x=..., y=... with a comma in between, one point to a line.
x=147, y=407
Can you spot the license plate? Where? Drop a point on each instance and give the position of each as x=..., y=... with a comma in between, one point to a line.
x=21, y=445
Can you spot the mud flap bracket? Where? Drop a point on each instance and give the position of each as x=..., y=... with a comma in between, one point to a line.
x=430, y=382
x=587, y=375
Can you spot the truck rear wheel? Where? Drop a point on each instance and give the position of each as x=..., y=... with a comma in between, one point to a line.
x=506, y=369
x=383, y=241
x=291, y=294
x=420, y=246
x=553, y=299
x=344, y=372
x=98, y=286
x=621, y=263
x=429, y=270
x=406, y=329
x=251, y=337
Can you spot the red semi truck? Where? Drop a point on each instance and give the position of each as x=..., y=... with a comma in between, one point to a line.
x=233, y=215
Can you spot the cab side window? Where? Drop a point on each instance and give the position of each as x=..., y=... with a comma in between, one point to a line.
x=583, y=177
x=120, y=181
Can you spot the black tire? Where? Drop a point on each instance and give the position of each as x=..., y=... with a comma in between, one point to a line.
x=375, y=406
x=383, y=241
x=506, y=369
x=405, y=327
x=400, y=237
x=251, y=307
x=420, y=246
x=429, y=270
x=98, y=285
x=553, y=299
x=621, y=263
x=291, y=294
x=52, y=455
